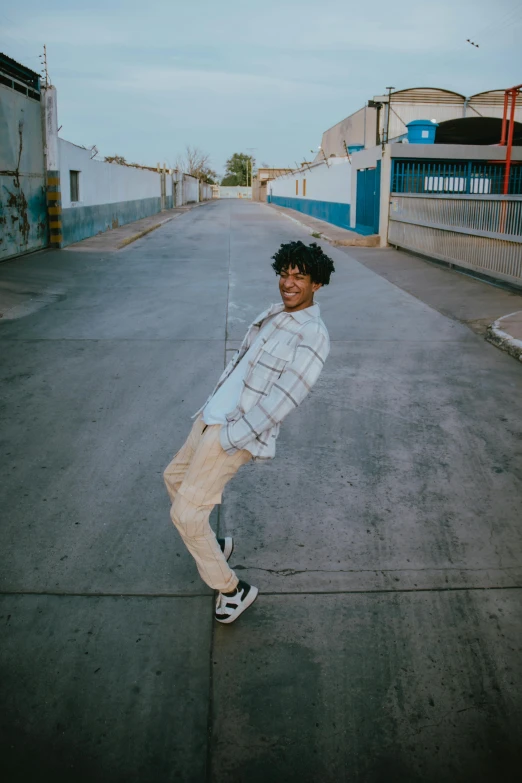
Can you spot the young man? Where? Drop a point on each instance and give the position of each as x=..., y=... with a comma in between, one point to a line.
x=279, y=361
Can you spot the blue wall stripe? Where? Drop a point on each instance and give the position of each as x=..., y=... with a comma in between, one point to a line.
x=331, y=211
x=81, y=222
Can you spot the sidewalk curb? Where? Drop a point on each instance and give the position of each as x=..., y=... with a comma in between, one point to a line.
x=334, y=242
x=503, y=340
x=145, y=231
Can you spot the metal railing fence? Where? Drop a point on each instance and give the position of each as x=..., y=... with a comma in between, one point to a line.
x=499, y=217
x=479, y=232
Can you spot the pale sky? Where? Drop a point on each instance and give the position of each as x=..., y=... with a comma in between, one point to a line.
x=143, y=79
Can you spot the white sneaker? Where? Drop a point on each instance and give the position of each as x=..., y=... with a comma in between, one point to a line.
x=230, y=606
x=227, y=546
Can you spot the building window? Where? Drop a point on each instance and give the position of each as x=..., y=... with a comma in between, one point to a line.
x=297, y=187
x=304, y=187
x=75, y=185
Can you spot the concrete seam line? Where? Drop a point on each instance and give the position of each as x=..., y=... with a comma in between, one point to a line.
x=277, y=593
x=51, y=594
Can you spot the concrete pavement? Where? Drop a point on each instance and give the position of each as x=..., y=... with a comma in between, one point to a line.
x=487, y=308
x=459, y=296
x=385, y=537
x=118, y=238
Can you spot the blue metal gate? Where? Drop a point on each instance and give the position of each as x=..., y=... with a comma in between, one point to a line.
x=454, y=176
x=368, y=200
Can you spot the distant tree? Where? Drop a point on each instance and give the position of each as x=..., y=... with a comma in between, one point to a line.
x=196, y=163
x=116, y=159
x=237, y=167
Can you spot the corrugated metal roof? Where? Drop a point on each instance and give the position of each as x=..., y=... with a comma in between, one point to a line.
x=18, y=71
x=427, y=95
x=489, y=98
x=412, y=104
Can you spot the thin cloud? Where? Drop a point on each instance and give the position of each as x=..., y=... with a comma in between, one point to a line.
x=193, y=81
x=69, y=29
x=144, y=80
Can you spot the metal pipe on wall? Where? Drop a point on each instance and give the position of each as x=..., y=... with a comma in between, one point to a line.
x=513, y=92
x=504, y=119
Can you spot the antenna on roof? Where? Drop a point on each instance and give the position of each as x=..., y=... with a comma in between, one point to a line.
x=45, y=70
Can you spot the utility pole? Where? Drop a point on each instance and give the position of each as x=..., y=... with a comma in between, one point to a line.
x=251, y=150
x=388, y=115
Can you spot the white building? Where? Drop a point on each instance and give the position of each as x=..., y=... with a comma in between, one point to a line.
x=384, y=118
x=346, y=184
x=322, y=190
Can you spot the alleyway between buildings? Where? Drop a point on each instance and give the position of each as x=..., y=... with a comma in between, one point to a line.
x=385, y=537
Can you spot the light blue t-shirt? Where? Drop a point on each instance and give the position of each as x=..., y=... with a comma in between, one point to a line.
x=227, y=397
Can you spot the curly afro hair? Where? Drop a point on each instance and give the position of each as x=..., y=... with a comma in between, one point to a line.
x=309, y=259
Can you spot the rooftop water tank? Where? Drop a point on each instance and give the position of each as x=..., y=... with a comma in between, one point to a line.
x=422, y=131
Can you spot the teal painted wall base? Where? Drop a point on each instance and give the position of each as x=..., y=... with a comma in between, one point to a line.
x=331, y=211
x=81, y=222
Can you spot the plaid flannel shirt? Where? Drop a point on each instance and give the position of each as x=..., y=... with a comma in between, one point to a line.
x=280, y=375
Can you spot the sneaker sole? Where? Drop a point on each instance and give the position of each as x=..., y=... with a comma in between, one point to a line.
x=251, y=597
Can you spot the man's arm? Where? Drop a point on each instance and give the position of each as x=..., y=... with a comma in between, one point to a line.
x=287, y=393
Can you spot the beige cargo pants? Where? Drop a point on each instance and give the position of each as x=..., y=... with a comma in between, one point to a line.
x=195, y=480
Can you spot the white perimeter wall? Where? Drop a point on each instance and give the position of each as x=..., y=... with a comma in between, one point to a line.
x=190, y=189
x=324, y=182
x=206, y=191
x=104, y=183
x=235, y=191
x=177, y=187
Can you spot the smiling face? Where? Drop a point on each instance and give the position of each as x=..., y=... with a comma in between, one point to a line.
x=296, y=289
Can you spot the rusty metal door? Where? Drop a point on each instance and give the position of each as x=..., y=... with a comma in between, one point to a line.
x=23, y=207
